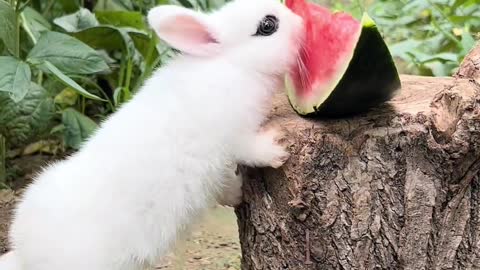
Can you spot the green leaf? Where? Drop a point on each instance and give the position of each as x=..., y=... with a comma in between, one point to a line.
x=112, y=39
x=34, y=24
x=458, y=3
x=68, y=54
x=8, y=26
x=401, y=49
x=185, y=3
x=467, y=42
x=15, y=77
x=462, y=19
x=121, y=18
x=439, y=56
x=125, y=3
x=77, y=21
x=67, y=97
x=69, y=5
x=142, y=43
x=114, y=5
x=77, y=128
x=28, y=119
x=438, y=69
x=58, y=128
x=2, y=47
x=109, y=60
x=69, y=82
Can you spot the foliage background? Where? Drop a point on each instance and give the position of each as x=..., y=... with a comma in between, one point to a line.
x=67, y=64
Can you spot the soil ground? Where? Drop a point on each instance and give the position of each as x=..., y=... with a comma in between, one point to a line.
x=6, y=204
x=212, y=245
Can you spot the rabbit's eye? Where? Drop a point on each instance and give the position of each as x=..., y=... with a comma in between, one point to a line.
x=267, y=26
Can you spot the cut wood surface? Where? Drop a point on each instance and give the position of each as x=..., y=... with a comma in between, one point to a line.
x=397, y=188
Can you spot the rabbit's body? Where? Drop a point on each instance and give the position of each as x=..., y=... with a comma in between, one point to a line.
x=159, y=161
x=124, y=197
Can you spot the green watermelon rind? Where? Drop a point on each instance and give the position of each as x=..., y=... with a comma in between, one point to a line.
x=363, y=85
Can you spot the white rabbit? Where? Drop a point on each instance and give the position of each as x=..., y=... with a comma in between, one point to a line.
x=122, y=200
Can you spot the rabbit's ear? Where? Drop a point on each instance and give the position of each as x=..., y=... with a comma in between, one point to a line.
x=184, y=30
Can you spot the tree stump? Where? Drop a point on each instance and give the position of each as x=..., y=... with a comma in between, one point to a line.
x=397, y=188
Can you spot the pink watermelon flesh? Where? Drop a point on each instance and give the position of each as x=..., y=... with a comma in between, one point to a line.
x=328, y=47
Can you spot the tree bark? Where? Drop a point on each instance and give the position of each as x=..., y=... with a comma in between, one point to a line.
x=397, y=188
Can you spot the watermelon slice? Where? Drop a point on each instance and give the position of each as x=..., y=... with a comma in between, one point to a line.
x=344, y=66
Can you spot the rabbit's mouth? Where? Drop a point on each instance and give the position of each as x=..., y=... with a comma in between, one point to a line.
x=299, y=69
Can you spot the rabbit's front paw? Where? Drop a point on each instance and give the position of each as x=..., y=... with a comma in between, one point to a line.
x=270, y=151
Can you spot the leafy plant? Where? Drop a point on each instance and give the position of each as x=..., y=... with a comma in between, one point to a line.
x=67, y=64
x=428, y=37
x=45, y=54
x=96, y=59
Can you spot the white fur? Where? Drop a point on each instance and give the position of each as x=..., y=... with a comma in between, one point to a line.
x=153, y=166
x=9, y=261
x=231, y=192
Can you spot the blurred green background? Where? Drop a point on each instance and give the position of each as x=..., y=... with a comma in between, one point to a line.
x=67, y=64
